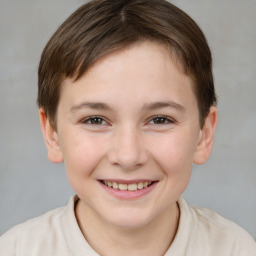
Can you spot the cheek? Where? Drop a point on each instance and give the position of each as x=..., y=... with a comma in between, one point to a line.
x=174, y=153
x=82, y=154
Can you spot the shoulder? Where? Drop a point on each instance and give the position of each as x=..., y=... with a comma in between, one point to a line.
x=216, y=222
x=217, y=231
x=26, y=236
x=35, y=223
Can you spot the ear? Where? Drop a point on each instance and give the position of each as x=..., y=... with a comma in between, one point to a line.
x=51, y=139
x=205, y=142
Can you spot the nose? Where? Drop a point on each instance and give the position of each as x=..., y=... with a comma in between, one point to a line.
x=127, y=150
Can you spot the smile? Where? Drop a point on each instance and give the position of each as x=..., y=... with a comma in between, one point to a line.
x=127, y=187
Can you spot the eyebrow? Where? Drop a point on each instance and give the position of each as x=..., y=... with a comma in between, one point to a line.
x=150, y=106
x=164, y=104
x=90, y=105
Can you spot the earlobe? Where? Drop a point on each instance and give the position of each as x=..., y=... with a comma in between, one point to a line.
x=51, y=139
x=205, y=141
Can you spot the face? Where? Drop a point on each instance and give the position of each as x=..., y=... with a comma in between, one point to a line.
x=128, y=132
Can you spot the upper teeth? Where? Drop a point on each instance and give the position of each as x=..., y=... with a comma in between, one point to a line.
x=130, y=187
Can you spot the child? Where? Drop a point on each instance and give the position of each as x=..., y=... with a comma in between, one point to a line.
x=126, y=99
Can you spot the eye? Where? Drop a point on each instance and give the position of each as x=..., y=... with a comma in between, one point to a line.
x=161, y=120
x=94, y=120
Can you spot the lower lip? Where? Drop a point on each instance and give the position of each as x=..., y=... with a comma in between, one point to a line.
x=126, y=194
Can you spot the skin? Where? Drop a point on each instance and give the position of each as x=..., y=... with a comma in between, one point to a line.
x=127, y=91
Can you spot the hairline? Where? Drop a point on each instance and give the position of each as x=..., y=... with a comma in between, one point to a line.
x=179, y=63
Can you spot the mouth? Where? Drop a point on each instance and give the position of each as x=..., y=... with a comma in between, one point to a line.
x=127, y=186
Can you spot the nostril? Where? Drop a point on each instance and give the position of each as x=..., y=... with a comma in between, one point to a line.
x=127, y=161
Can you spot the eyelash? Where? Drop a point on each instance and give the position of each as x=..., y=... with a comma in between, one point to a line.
x=94, y=120
x=162, y=119
x=98, y=120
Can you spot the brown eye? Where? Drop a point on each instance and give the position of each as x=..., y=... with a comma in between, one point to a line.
x=95, y=121
x=161, y=120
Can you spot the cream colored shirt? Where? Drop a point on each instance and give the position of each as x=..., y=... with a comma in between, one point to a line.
x=201, y=232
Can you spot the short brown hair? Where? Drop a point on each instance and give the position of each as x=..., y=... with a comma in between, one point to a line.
x=102, y=26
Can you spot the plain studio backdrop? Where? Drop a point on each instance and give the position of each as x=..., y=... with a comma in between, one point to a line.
x=30, y=185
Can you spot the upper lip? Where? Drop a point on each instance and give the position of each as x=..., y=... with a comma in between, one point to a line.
x=121, y=181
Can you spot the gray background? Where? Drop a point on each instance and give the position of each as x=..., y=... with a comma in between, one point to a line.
x=30, y=185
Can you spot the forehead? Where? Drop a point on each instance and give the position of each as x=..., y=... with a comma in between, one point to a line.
x=145, y=71
x=140, y=58
x=139, y=51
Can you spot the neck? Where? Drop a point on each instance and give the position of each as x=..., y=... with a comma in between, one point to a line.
x=106, y=239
